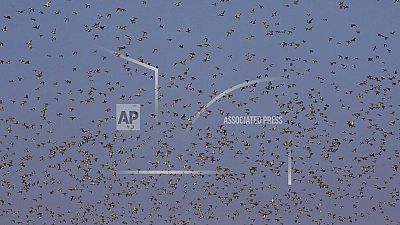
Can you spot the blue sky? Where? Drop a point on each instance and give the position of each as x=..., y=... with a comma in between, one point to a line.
x=60, y=151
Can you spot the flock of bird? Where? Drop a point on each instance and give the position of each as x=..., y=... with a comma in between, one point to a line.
x=336, y=88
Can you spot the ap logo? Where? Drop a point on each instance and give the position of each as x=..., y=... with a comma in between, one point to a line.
x=128, y=116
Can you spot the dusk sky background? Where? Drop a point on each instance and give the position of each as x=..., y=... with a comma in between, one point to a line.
x=336, y=63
